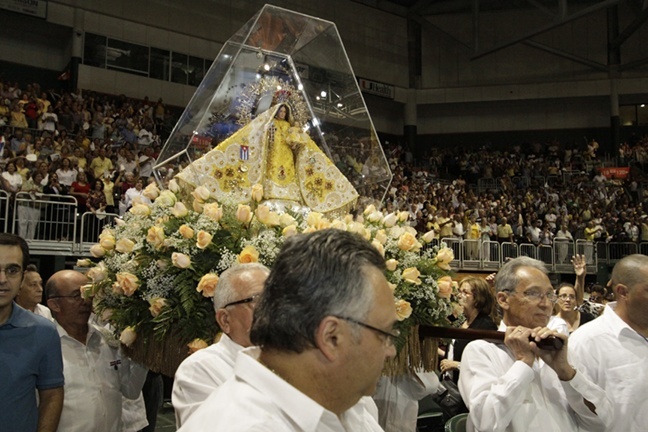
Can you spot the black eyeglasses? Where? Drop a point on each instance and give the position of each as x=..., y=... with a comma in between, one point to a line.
x=390, y=337
x=75, y=296
x=254, y=298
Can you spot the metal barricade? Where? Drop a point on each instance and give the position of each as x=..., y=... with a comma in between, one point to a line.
x=643, y=248
x=602, y=252
x=563, y=250
x=454, y=244
x=587, y=249
x=471, y=258
x=618, y=250
x=4, y=211
x=491, y=256
x=51, y=219
x=509, y=250
x=545, y=254
x=529, y=250
x=91, y=226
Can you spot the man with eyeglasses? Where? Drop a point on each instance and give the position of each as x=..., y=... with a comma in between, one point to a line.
x=323, y=329
x=30, y=353
x=613, y=348
x=236, y=295
x=96, y=372
x=515, y=385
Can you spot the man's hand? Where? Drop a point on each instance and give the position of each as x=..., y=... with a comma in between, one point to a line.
x=557, y=360
x=517, y=340
x=449, y=365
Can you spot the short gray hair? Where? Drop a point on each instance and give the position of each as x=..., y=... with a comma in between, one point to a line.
x=226, y=289
x=507, y=278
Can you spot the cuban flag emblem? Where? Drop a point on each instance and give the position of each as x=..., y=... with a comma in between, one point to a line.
x=245, y=152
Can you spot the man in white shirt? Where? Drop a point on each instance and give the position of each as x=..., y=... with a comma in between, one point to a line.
x=515, y=386
x=613, y=348
x=96, y=372
x=236, y=295
x=31, y=293
x=323, y=328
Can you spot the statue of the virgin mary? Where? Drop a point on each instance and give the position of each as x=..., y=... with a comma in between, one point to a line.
x=273, y=151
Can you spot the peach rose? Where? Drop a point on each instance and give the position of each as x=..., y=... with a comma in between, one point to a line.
x=391, y=264
x=309, y=230
x=408, y=242
x=198, y=206
x=289, y=230
x=348, y=218
x=411, y=275
x=207, y=284
x=87, y=291
x=444, y=257
x=186, y=231
x=390, y=220
x=128, y=283
x=155, y=236
x=266, y=217
x=203, y=239
x=107, y=242
x=151, y=191
x=98, y=273
x=339, y=225
x=213, y=211
x=403, y=309
x=445, y=287
x=84, y=262
x=180, y=260
x=248, y=255
x=323, y=223
x=128, y=336
x=97, y=251
x=285, y=220
x=244, y=214
x=201, y=193
x=125, y=246
x=140, y=210
x=179, y=210
x=379, y=247
x=257, y=192
x=156, y=306
x=196, y=345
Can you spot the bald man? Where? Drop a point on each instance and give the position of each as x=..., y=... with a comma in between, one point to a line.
x=613, y=348
x=96, y=373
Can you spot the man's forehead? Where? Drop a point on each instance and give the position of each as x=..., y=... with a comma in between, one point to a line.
x=530, y=277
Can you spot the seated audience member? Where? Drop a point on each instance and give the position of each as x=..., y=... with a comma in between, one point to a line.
x=613, y=349
x=516, y=386
x=236, y=295
x=31, y=375
x=96, y=372
x=31, y=293
x=479, y=304
x=322, y=329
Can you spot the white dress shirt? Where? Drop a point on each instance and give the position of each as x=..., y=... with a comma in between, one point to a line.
x=200, y=374
x=256, y=399
x=43, y=311
x=503, y=394
x=96, y=377
x=616, y=357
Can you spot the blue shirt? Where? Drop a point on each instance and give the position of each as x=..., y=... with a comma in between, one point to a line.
x=30, y=359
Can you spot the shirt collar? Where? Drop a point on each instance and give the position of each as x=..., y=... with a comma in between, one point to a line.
x=614, y=321
x=18, y=317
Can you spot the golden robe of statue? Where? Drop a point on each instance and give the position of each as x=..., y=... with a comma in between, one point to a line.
x=271, y=151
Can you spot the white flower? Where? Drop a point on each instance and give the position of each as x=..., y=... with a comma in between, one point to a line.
x=390, y=220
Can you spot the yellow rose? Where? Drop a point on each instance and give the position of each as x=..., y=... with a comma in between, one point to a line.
x=201, y=193
x=390, y=220
x=107, y=242
x=289, y=230
x=313, y=218
x=98, y=273
x=403, y=216
x=166, y=199
x=180, y=260
x=392, y=286
x=396, y=231
x=244, y=214
x=444, y=257
x=119, y=221
x=156, y=306
x=140, y=210
x=356, y=227
x=407, y=242
x=207, y=284
x=97, y=251
x=128, y=283
x=196, y=345
x=410, y=230
x=309, y=230
x=428, y=236
x=379, y=247
x=173, y=186
x=155, y=236
x=411, y=275
x=198, y=206
x=186, y=231
x=128, y=336
x=248, y=255
x=203, y=239
x=391, y=264
x=179, y=210
x=213, y=211
x=125, y=246
x=323, y=223
x=285, y=219
x=445, y=287
x=348, y=218
x=87, y=291
x=151, y=191
x=369, y=209
x=375, y=217
x=257, y=192
x=83, y=262
x=403, y=309
x=339, y=225
x=381, y=236
x=267, y=217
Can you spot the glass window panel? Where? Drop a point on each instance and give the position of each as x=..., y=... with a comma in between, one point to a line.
x=179, y=68
x=160, y=64
x=127, y=56
x=627, y=115
x=94, y=50
x=196, y=70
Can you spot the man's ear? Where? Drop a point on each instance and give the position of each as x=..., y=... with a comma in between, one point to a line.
x=53, y=305
x=329, y=337
x=503, y=300
x=223, y=320
x=621, y=291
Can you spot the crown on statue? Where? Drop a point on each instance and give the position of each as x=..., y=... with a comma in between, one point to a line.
x=281, y=96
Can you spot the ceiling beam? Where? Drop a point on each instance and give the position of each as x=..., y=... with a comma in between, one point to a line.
x=629, y=31
x=569, y=56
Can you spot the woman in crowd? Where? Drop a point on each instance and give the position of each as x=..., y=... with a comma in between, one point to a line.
x=66, y=173
x=11, y=180
x=79, y=190
x=96, y=203
x=568, y=308
x=29, y=210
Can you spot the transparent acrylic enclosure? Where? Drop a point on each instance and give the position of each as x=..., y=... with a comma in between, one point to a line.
x=298, y=57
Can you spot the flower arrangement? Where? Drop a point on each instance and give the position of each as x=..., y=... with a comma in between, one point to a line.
x=159, y=267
